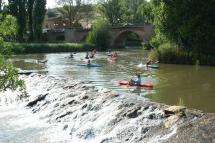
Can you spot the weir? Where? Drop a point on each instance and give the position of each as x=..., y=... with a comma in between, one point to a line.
x=83, y=113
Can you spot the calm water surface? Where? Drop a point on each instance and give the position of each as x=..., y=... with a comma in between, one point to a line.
x=192, y=86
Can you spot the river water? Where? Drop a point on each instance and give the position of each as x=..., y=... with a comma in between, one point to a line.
x=192, y=86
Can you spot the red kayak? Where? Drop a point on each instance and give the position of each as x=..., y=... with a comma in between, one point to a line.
x=112, y=59
x=126, y=83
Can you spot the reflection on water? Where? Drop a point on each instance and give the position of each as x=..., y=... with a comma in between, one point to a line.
x=174, y=84
x=186, y=85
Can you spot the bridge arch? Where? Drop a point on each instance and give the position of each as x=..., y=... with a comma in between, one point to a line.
x=119, y=38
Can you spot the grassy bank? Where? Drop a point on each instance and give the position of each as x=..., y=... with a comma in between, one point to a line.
x=171, y=54
x=19, y=48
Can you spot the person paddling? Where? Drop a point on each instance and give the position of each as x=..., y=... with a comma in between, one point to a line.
x=136, y=81
x=109, y=52
x=87, y=56
x=88, y=63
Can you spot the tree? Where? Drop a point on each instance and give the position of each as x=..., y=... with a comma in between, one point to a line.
x=39, y=12
x=189, y=24
x=129, y=10
x=99, y=35
x=144, y=13
x=112, y=11
x=17, y=8
x=51, y=13
x=70, y=9
x=8, y=74
x=30, y=6
x=0, y=5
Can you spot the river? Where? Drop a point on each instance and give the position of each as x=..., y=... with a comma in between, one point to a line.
x=191, y=86
x=73, y=112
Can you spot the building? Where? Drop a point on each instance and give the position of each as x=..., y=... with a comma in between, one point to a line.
x=56, y=23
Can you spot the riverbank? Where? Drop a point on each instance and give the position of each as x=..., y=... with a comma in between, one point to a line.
x=98, y=115
x=30, y=48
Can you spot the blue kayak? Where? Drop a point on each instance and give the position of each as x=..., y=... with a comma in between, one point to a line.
x=90, y=65
x=154, y=66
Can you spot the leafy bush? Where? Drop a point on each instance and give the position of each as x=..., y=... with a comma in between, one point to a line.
x=169, y=53
x=99, y=36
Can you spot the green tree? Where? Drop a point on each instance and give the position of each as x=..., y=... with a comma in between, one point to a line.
x=129, y=10
x=50, y=13
x=144, y=13
x=17, y=8
x=8, y=74
x=39, y=12
x=71, y=10
x=30, y=6
x=100, y=36
x=190, y=24
x=0, y=5
x=111, y=10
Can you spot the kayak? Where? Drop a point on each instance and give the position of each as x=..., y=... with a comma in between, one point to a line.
x=154, y=66
x=90, y=65
x=111, y=59
x=126, y=83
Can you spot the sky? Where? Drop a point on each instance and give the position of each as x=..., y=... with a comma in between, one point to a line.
x=51, y=3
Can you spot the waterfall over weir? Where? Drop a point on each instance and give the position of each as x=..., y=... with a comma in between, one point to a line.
x=62, y=111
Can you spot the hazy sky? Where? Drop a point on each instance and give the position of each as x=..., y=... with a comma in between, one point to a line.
x=51, y=3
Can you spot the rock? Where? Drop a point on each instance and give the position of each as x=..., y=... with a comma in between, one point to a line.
x=85, y=97
x=84, y=106
x=73, y=102
x=144, y=130
x=152, y=116
x=168, y=122
x=133, y=113
x=25, y=72
x=175, y=110
x=63, y=115
x=34, y=102
x=65, y=127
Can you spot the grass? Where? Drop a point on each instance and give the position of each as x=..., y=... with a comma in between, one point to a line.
x=27, y=48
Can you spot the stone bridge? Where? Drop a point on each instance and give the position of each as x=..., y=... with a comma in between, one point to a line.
x=118, y=34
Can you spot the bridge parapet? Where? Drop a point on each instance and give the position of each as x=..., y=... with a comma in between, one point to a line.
x=118, y=34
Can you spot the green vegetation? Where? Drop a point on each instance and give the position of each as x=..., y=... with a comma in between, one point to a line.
x=125, y=11
x=8, y=74
x=30, y=15
x=111, y=10
x=189, y=26
x=20, y=48
x=38, y=17
x=99, y=36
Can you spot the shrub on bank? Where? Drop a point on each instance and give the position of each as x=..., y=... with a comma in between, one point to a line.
x=169, y=53
x=19, y=48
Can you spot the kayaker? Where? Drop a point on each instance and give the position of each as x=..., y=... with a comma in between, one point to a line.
x=71, y=55
x=87, y=56
x=115, y=55
x=148, y=63
x=109, y=52
x=136, y=81
x=88, y=63
x=92, y=56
